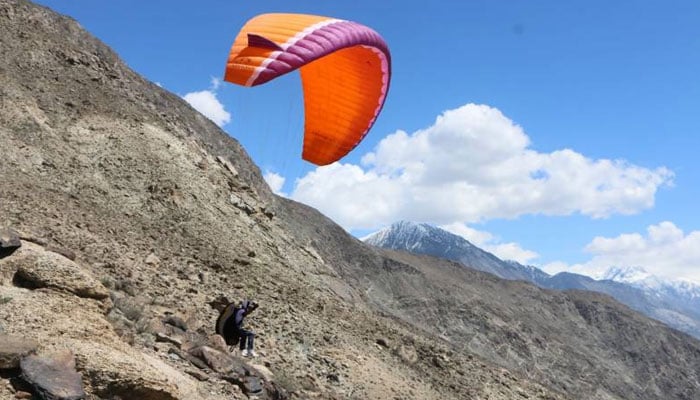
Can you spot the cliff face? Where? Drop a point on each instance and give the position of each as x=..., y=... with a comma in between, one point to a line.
x=138, y=216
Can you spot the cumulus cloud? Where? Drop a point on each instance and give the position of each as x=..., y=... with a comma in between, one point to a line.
x=474, y=164
x=275, y=181
x=665, y=251
x=487, y=241
x=205, y=102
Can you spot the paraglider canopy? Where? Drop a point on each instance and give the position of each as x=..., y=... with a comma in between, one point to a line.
x=345, y=72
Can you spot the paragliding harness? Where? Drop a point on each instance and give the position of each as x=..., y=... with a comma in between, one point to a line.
x=226, y=324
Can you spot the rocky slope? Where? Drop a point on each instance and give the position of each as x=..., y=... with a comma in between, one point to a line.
x=108, y=179
x=137, y=217
x=581, y=343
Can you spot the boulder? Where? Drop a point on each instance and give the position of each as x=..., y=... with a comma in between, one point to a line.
x=249, y=384
x=252, y=385
x=38, y=268
x=132, y=375
x=163, y=338
x=13, y=348
x=218, y=360
x=9, y=242
x=175, y=321
x=217, y=342
x=109, y=365
x=53, y=377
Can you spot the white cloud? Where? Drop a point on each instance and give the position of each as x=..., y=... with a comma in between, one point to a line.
x=206, y=103
x=487, y=241
x=474, y=164
x=275, y=181
x=665, y=251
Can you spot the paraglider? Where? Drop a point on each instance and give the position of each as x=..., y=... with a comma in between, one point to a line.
x=345, y=72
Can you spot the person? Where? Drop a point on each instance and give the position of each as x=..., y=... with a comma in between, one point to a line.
x=230, y=326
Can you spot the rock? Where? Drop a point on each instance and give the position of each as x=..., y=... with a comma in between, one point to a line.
x=9, y=242
x=227, y=165
x=176, y=322
x=131, y=375
x=333, y=378
x=252, y=385
x=67, y=253
x=38, y=268
x=192, y=339
x=53, y=377
x=217, y=342
x=407, y=353
x=267, y=212
x=218, y=360
x=186, y=356
x=275, y=391
x=13, y=348
x=152, y=259
x=110, y=366
x=198, y=374
x=263, y=371
x=383, y=342
x=438, y=362
x=241, y=204
x=160, y=337
x=22, y=395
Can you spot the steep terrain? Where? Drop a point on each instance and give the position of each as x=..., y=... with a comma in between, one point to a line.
x=138, y=217
x=582, y=343
x=111, y=180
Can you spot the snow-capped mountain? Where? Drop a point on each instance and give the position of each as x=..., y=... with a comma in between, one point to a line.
x=639, y=277
x=675, y=303
x=429, y=240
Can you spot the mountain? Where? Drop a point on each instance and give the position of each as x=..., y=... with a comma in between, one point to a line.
x=674, y=303
x=638, y=277
x=681, y=298
x=131, y=219
x=426, y=239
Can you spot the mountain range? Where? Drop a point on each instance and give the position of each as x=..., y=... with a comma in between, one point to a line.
x=676, y=303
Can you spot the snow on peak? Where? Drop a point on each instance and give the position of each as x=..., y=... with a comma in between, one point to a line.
x=639, y=277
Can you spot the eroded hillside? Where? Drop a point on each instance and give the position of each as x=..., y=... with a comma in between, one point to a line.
x=111, y=180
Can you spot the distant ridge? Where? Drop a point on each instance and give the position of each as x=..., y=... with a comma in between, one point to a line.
x=677, y=304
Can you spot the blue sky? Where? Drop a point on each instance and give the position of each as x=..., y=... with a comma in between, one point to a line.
x=559, y=134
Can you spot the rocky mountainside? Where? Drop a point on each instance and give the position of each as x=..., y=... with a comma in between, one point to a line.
x=676, y=309
x=675, y=304
x=137, y=217
x=128, y=219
